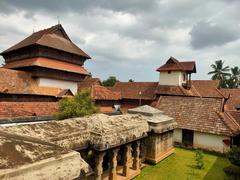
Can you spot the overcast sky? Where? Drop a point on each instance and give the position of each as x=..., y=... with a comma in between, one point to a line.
x=132, y=38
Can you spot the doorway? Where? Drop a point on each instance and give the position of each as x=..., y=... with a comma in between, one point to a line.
x=187, y=137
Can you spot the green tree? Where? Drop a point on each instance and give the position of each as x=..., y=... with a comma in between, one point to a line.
x=77, y=106
x=130, y=80
x=199, y=159
x=233, y=81
x=110, y=81
x=220, y=73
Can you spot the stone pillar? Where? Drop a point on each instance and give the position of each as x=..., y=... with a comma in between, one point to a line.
x=113, y=165
x=127, y=159
x=136, y=154
x=99, y=169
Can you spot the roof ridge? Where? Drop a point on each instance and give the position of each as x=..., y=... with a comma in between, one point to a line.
x=53, y=29
x=221, y=93
x=231, y=119
x=196, y=91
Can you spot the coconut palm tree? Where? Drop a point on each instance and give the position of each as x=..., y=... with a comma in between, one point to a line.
x=220, y=73
x=233, y=81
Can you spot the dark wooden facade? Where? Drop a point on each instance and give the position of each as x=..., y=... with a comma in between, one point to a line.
x=6, y=97
x=53, y=73
x=41, y=51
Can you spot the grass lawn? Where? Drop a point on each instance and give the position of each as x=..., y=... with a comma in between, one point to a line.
x=181, y=165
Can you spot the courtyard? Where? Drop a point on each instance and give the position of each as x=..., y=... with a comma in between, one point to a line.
x=181, y=165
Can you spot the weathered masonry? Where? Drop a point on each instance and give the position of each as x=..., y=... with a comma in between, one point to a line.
x=111, y=147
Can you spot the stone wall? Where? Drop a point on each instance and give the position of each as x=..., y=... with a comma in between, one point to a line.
x=159, y=146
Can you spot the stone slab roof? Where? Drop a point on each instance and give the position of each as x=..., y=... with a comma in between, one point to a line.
x=109, y=131
x=24, y=157
x=100, y=131
x=70, y=134
x=157, y=120
x=145, y=110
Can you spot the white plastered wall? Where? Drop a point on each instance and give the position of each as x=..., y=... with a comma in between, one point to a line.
x=174, y=78
x=211, y=142
x=177, y=135
x=45, y=82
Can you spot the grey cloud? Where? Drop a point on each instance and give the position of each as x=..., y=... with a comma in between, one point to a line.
x=117, y=43
x=76, y=5
x=205, y=34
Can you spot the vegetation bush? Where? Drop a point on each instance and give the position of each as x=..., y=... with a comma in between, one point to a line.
x=199, y=159
x=234, y=155
x=77, y=106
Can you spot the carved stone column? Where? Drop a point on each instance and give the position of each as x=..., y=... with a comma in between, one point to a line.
x=127, y=159
x=113, y=165
x=136, y=154
x=99, y=169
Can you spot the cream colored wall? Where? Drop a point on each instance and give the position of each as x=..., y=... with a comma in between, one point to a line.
x=177, y=135
x=45, y=82
x=206, y=141
x=175, y=78
x=210, y=141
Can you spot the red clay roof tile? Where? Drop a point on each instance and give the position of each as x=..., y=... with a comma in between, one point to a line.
x=19, y=82
x=103, y=93
x=233, y=98
x=48, y=63
x=54, y=37
x=131, y=90
x=174, y=65
x=195, y=113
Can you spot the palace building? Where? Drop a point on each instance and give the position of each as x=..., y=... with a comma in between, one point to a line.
x=47, y=66
x=51, y=57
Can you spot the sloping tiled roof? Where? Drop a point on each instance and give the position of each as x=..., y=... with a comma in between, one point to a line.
x=19, y=82
x=98, y=92
x=174, y=65
x=235, y=115
x=131, y=90
x=103, y=93
x=199, y=88
x=233, y=100
x=195, y=113
x=53, y=37
x=232, y=119
x=88, y=82
x=175, y=90
x=207, y=88
x=48, y=63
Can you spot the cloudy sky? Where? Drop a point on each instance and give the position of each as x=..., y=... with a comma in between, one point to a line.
x=131, y=38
